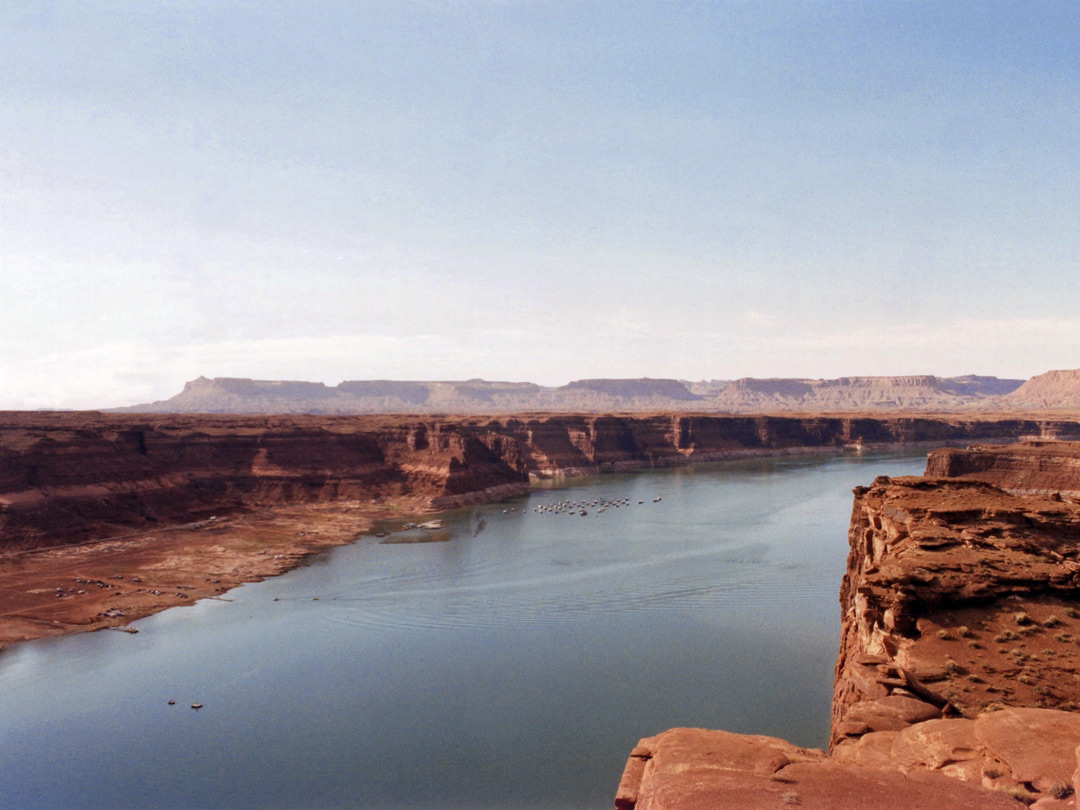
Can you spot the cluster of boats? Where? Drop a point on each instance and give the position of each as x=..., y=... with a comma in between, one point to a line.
x=568, y=507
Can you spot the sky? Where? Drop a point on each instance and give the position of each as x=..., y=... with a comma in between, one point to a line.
x=540, y=190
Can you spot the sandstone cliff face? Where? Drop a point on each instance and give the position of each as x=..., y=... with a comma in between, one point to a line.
x=951, y=586
x=73, y=476
x=1032, y=467
x=957, y=680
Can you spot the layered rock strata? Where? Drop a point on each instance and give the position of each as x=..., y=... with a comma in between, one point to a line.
x=69, y=477
x=959, y=661
x=1030, y=467
x=748, y=395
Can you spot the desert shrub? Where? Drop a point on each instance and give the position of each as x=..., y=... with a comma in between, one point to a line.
x=1060, y=790
x=1021, y=794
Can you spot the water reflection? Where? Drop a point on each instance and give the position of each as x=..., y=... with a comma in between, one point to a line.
x=511, y=668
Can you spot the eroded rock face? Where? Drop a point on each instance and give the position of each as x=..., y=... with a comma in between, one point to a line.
x=959, y=660
x=963, y=595
x=959, y=594
x=1030, y=467
x=67, y=477
x=1054, y=389
x=1023, y=752
x=695, y=769
x=847, y=394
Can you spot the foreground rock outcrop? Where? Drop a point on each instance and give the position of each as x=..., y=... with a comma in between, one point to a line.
x=697, y=769
x=958, y=677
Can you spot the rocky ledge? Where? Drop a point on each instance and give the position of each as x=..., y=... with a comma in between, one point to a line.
x=958, y=678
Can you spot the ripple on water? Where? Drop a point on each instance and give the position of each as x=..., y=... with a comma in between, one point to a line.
x=566, y=590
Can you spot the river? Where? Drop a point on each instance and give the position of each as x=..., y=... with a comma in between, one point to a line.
x=513, y=667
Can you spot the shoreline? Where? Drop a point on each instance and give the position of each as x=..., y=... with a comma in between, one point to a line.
x=109, y=583
x=112, y=581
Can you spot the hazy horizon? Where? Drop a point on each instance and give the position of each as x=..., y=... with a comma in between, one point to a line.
x=537, y=191
x=585, y=379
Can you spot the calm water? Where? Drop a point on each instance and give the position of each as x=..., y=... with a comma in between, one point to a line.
x=511, y=669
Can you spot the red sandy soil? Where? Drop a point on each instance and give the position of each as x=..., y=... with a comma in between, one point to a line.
x=110, y=583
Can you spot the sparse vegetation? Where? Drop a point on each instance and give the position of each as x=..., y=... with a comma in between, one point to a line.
x=1005, y=635
x=963, y=631
x=1021, y=794
x=1072, y=613
x=1060, y=790
x=1051, y=621
x=1022, y=618
x=943, y=634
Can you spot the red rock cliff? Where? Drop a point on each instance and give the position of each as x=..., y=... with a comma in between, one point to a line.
x=1028, y=467
x=958, y=678
x=72, y=476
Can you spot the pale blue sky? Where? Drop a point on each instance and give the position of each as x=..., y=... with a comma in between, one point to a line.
x=536, y=191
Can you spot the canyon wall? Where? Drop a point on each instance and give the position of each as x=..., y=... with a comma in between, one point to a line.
x=67, y=477
x=958, y=678
x=1032, y=467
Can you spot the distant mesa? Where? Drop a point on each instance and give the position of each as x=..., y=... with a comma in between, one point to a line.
x=631, y=389
x=913, y=393
x=1054, y=389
